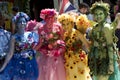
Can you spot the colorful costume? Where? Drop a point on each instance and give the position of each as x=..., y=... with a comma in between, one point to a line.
x=52, y=47
x=76, y=61
x=5, y=38
x=23, y=65
x=102, y=57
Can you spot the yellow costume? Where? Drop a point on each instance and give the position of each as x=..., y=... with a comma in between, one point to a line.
x=76, y=61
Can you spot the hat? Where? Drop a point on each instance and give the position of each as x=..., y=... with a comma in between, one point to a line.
x=20, y=15
x=47, y=13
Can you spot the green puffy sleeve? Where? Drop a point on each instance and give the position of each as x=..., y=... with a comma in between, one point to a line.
x=108, y=31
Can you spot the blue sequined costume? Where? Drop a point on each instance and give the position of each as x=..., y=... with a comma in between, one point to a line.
x=23, y=65
x=5, y=37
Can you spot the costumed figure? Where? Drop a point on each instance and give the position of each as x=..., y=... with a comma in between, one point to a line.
x=6, y=48
x=23, y=65
x=6, y=53
x=103, y=52
x=76, y=61
x=51, y=47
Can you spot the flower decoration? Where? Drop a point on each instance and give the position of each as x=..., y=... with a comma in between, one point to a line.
x=21, y=47
x=47, y=13
x=30, y=25
x=102, y=5
x=67, y=23
x=52, y=37
x=82, y=55
x=66, y=20
x=75, y=44
x=20, y=15
x=82, y=23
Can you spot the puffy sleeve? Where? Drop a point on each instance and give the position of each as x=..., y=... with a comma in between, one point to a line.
x=35, y=37
x=31, y=37
x=108, y=34
x=8, y=34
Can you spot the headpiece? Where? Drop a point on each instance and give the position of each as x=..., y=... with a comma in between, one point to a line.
x=102, y=5
x=21, y=15
x=66, y=20
x=47, y=13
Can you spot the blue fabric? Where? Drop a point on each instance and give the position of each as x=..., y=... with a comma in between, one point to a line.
x=70, y=7
x=21, y=68
x=23, y=65
x=20, y=14
x=4, y=48
x=4, y=40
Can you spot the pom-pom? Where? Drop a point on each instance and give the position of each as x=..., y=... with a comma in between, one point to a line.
x=82, y=23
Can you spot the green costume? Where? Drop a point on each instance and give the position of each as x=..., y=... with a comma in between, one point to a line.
x=102, y=56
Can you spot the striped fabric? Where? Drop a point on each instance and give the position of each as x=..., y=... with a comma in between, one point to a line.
x=66, y=6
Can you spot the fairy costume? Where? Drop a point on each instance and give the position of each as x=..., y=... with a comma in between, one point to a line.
x=76, y=60
x=23, y=65
x=51, y=48
x=103, y=52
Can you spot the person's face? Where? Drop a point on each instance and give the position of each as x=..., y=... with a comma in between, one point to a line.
x=99, y=15
x=21, y=23
x=83, y=10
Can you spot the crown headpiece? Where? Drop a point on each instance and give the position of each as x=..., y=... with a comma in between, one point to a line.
x=104, y=6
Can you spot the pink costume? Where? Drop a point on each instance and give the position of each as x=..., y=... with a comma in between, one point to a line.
x=51, y=47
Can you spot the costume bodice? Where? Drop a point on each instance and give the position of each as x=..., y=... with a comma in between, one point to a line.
x=50, y=35
x=25, y=41
x=98, y=36
x=51, y=39
x=73, y=41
